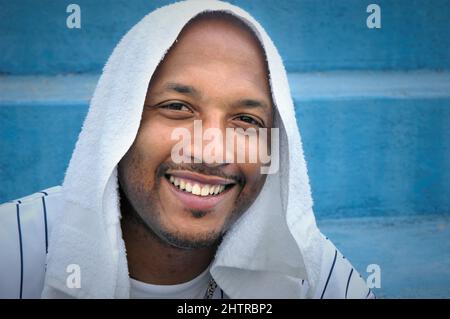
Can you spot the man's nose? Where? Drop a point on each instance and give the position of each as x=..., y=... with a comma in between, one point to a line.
x=209, y=142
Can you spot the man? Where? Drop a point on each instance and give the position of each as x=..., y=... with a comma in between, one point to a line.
x=132, y=221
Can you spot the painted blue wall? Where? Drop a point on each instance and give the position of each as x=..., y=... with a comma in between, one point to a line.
x=36, y=142
x=377, y=157
x=311, y=35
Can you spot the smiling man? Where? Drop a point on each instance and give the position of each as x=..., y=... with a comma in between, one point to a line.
x=131, y=221
x=179, y=212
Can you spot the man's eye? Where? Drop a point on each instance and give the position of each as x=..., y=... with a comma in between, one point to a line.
x=176, y=107
x=249, y=120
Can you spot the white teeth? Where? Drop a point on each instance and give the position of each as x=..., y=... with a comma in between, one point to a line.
x=205, y=190
x=196, y=189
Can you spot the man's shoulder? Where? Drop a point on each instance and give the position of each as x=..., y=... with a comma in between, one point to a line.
x=25, y=224
x=49, y=192
x=42, y=206
x=338, y=278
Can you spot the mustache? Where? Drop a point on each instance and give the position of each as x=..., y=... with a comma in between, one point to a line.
x=200, y=169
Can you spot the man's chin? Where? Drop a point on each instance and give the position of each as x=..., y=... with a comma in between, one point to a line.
x=190, y=241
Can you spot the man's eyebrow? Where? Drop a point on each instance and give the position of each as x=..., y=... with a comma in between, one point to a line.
x=182, y=88
x=252, y=103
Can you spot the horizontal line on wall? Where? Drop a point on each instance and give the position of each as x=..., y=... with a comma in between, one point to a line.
x=369, y=84
x=78, y=88
x=41, y=89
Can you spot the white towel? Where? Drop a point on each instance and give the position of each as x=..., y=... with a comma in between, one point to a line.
x=273, y=248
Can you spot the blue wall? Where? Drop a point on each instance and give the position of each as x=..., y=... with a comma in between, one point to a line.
x=311, y=35
x=377, y=157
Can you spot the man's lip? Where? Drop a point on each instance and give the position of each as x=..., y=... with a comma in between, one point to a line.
x=200, y=178
x=195, y=202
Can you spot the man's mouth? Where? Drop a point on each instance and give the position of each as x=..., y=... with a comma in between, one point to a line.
x=198, y=184
x=196, y=188
x=198, y=191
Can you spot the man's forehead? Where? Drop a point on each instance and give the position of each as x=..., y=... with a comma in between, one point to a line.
x=216, y=40
x=221, y=30
x=219, y=18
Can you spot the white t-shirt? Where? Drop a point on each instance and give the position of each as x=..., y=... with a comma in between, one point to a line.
x=193, y=289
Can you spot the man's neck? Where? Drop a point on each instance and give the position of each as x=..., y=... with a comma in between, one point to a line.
x=152, y=261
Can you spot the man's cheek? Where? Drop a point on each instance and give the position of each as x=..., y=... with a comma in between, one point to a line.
x=133, y=169
x=252, y=173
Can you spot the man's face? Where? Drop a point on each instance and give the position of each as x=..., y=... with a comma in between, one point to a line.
x=215, y=73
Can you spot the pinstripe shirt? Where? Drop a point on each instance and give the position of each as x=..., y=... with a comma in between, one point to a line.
x=25, y=225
